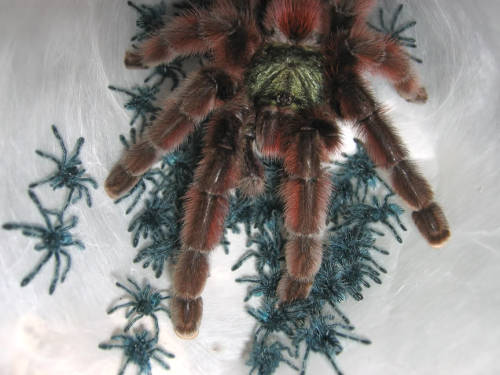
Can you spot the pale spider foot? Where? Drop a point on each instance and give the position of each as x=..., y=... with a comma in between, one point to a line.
x=119, y=181
x=133, y=60
x=252, y=186
x=186, y=315
x=290, y=289
x=433, y=225
x=420, y=96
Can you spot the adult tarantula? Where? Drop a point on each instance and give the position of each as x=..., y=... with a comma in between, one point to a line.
x=281, y=74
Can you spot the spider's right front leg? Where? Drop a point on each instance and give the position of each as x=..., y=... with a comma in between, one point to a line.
x=205, y=210
x=207, y=90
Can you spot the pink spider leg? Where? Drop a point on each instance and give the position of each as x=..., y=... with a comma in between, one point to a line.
x=205, y=209
x=383, y=55
x=181, y=37
x=387, y=150
x=306, y=143
x=205, y=91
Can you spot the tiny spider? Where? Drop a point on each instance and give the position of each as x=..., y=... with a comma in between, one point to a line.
x=144, y=302
x=265, y=359
x=150, y=220
x=395, y=30
x=69, y=173
x=139, y=349
x=142, y=102
x=54, y=237
x=377, y=213
x=282, y=76
x=321, y=334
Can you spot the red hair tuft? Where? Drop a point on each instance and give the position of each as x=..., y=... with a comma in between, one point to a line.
x=297, y=19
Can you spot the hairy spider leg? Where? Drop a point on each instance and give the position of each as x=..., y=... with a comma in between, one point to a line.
x=232, y=38
x=306, y=141
x=349, y=50
x=181, y=37
x=383, y=55
x=352, y=40
x=195, y=32
x=206, y=206
x=386, y=149
x=203, y=92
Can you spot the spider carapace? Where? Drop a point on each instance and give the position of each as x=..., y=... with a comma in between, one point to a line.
x=281, y=74
x=284, y=75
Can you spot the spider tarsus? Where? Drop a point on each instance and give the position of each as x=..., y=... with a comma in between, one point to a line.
x=432, y=224
x=119, y=181
x=186, y=315
x=419, y=97
x=290, y=289
x=134, y=60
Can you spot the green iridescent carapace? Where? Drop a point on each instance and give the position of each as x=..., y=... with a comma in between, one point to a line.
x=286, y=76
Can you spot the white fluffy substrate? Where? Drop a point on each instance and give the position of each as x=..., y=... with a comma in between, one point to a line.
x=437, y=310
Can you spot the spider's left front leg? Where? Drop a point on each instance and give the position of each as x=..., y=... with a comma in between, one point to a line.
x=306, y=143
x=205, y=210
x=386, y=149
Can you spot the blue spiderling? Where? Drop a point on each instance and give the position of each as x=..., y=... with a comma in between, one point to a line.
x=273, y=318
x=376, y=212
x=54, y=238
x=146, y=301
x=154, y=176
x=394, y=30
x=172, y=71
x=151, y=220
x=159, y=253
x=140, y=350
x=266, y=358
x=269, y=248
x=321, y=334
x=141, y=102
x=70, y=173
x=150, y=19
x=265, y=284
